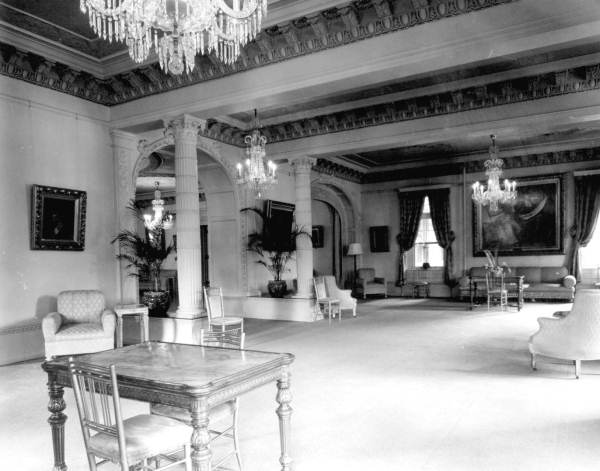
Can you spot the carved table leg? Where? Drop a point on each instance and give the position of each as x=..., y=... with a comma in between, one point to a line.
x=200, y=437
x=284, y=411
x=57, y=420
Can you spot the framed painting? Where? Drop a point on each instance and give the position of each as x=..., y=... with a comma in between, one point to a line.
x=317, y=237
x=379, y=238
x=57, y=218
x=530, y=225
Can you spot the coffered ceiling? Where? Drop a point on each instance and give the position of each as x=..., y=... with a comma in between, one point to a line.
x=369, y=87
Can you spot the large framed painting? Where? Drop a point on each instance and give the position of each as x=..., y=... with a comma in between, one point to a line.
x=530, y=225
x=57, y=218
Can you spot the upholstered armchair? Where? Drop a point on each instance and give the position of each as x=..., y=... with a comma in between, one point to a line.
x=368, y=283
x=574, y=336
x=81, y=325
x=347, y=302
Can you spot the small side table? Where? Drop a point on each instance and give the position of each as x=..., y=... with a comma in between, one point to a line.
x=140, y=310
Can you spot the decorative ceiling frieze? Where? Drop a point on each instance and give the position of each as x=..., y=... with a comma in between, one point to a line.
x=335, y=27
x=476, y=166
x=328, y=167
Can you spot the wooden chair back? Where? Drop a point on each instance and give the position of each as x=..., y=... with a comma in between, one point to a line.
x=213, y=302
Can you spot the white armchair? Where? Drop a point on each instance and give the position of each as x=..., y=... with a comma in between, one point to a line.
x=574, y=337
x=347, y=302
x=81, y=325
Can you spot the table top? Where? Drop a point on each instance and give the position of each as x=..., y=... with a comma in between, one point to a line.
x=191, y=369
x=130, y=308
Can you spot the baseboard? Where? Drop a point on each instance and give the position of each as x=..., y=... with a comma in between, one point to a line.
x=21, y=342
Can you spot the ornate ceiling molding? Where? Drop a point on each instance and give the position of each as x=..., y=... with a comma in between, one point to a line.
x=334, y=27
x=527, y=160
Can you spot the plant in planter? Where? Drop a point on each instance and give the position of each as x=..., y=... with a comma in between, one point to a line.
x=275, y=251
x=146, y=256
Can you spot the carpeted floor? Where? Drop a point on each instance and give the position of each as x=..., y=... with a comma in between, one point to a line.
x=407, y=385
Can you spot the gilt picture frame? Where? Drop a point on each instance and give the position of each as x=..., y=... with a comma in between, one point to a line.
x=57, y=218
x=530, y=225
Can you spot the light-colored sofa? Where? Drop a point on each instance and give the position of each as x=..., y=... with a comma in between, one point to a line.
x=538, y=282
x=574, y=336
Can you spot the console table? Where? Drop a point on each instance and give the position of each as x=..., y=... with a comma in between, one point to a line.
x=513, y=285
x=137, y=310
x=193, y=377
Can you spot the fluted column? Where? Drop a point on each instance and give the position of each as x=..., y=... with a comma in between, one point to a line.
x=125, y=155
x=303, y=214
x=189, y=267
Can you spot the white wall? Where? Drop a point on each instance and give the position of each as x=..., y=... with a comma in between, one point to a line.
x=55, y=140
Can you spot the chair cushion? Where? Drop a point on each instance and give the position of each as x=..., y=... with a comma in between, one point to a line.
x=81, y=306
x=216, y=414
x=146, y=435
x=80, y=331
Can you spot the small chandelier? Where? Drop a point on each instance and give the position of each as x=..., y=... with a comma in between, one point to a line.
x=160, y=219
x=494, y=194
x=255, y=173
x=178, y=29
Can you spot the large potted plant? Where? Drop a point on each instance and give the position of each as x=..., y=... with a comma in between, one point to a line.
x=275, y=251
x=146, y=255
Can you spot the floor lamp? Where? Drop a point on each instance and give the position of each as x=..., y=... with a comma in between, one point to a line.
x=354, y=249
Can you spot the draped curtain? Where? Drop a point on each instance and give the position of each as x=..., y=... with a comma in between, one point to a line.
x=439, y=205
x=587, y=207
x=411, y=207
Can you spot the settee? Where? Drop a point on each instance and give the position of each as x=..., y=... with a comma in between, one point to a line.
x=538, y=282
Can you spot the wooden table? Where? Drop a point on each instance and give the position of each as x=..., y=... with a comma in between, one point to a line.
x=190, y=376
x=137, y=310
x=513, y=285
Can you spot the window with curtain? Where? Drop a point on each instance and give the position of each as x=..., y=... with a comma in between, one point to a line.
x=590, y=257
x=426, y=249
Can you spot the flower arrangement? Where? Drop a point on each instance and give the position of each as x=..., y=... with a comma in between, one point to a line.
x=493, y=266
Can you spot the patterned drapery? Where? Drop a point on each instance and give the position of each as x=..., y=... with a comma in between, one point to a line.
x=587, y=207
x=411, y=207
x=439, y=205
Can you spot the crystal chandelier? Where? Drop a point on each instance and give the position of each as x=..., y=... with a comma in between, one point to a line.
x=178, y=29
x=255, y=173
x=160, y=219
x=494, y=194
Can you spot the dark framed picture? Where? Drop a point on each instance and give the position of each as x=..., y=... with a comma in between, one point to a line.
x=532, y=224
x=57, y=218
x=317, y=237
x=379, y=238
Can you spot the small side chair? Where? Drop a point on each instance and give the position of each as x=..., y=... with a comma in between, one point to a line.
x=213, y=301
x=223, y=413
x=134, y=442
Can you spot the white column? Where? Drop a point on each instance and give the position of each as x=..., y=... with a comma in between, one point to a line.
x=125, y=155
x=303, y=215
x=189, y=268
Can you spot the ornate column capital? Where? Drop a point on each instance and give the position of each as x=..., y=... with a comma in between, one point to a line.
x=185, y=126
x=304, y=163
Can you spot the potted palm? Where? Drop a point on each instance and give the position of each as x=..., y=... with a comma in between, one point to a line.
x=275, y=251
x=146, y=255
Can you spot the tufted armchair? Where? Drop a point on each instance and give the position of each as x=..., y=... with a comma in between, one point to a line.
x=81, y=325
x=573, y=336
x=368, y=283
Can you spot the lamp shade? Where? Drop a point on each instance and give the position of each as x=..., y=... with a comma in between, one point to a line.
x=355, y=249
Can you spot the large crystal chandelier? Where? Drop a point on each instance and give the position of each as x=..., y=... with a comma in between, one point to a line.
x=256, y=174
x=494, y=194
x=160, y=219
x=178, y=29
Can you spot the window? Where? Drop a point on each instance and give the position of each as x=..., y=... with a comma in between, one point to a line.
x=590, y=257
x=426, y=248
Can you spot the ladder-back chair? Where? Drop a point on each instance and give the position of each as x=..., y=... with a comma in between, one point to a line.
x=495, y=289
x=133, y=442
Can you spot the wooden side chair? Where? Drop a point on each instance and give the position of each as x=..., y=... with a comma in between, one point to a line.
x=496, y=290
x=213, y=300
x=134, y=442
x=224, y=413
x=330, y=305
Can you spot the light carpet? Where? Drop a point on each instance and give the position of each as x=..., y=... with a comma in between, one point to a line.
x=407, y=385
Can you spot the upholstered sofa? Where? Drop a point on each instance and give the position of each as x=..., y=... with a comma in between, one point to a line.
x=573, y=336
x=538, y=282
